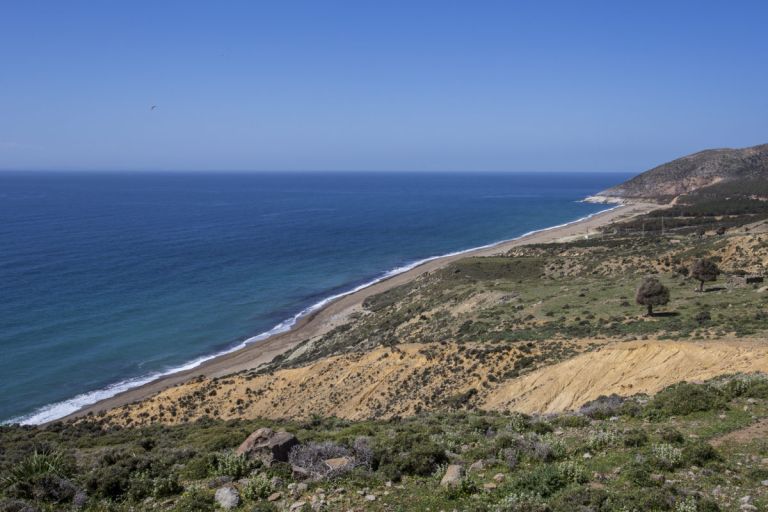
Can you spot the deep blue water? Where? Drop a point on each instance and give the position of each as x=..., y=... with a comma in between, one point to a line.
x=108, y=278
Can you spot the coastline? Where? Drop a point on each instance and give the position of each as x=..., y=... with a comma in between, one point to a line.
x=332, y=311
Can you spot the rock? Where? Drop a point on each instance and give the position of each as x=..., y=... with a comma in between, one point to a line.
x=268, y=446
x=276, y=482
x=765, y=483
x=587, y=455
x=477, y=466
x=219, y=481
x=370, y=497
x=338, y=462
x=452, y=476
x=300, y=473
x=227, y=497
x=297, y=506
x=489, y=486
x=747, y=507
x=498, y=477
x=274, y=496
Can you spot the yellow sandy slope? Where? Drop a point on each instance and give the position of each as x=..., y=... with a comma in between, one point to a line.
x=383, y=383
x=626, y=369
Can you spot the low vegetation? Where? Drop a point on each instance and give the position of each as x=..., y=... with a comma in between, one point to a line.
x=660, y=453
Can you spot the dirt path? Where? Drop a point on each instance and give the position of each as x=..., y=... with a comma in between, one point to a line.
x=757, y=430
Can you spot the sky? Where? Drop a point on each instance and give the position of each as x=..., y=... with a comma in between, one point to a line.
x=377, y=85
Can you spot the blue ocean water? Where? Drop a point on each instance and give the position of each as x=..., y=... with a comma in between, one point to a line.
x=109, y=279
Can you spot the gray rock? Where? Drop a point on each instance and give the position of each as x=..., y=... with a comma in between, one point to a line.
x=453, y=475
x=227, y=497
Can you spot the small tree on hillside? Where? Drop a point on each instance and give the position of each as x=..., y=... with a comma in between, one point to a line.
x=652, y=293
x=704, y=270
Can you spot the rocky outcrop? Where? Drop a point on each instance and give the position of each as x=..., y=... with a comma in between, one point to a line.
x=268, y=446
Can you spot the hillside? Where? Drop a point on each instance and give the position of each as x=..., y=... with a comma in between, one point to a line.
x=529, y=380
x=693, y=172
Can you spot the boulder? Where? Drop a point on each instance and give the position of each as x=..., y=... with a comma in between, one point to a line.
x=227, y=497
x=452, y=477
x=268, y=446
x=338, y=463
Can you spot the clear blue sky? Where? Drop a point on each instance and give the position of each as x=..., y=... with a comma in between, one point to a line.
x=378, y=85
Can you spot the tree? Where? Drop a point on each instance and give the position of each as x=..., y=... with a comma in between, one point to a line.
x=704, y=270
x=652, y=293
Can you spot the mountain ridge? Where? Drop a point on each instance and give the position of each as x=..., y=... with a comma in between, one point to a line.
x=690, y=173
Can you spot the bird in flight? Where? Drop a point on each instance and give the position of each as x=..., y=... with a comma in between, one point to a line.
x=153, y=107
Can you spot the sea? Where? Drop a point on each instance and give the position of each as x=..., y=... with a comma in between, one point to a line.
x=109, y=280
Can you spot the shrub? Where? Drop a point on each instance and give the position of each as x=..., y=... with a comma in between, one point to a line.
x=110, y=482
x=407, y=454
x=684, y=398
x=522, y=502
x=541, y=427
x=571, y=421
x=639, y=473
x=165, y=486
x=666, y=456
x=362, y=448
x=234, y=465
x=702, y=317
x=531, y=446
x=36, y=465
x=602, y=407
x=634, y=438
x=602, y=439
x=749, y=386
x=672, y=435
x=544, y=480
x=699, y=453
x=465, y=488
x=195, y=500
x=580, y=499
x=200, y=467
x=258, y=487
x=573, y=472
x=311, y=456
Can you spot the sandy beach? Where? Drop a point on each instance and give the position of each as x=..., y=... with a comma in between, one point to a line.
x=338, y=311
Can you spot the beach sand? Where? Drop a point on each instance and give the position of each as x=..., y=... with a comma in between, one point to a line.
x=338, y=311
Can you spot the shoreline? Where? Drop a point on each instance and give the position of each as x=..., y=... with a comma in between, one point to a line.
x=323, y=316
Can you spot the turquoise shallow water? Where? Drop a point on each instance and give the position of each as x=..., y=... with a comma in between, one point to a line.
x=108, y=280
